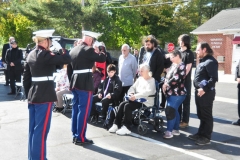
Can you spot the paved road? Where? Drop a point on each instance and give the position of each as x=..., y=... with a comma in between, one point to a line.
x=225, y=140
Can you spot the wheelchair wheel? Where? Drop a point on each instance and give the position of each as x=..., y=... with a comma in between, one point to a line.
x=135, y=119
x=142, y=129
x=158, y=126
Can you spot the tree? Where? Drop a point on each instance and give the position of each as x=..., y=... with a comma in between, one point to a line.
x=16, y=25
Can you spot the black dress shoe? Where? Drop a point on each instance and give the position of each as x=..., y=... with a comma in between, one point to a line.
x=194, y=137
x=78, y=142
x=57, y=109
x=74, y=139
x=11, y=93
x=237, y=123
x=202, y=141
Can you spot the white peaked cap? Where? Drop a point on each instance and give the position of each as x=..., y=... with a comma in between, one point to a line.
x=44, y=33
x=91, y=34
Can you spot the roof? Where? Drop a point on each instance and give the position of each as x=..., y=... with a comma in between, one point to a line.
x=228, y=19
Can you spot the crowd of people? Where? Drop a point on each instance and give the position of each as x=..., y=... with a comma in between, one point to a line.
x=138, y=76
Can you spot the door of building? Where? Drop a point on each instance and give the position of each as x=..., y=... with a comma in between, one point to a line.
x=235, y=57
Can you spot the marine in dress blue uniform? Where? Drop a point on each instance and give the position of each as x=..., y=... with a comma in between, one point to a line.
x=83, y=57
x=41, y=64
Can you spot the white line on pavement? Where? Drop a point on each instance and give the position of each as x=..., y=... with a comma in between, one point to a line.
x=196, y=155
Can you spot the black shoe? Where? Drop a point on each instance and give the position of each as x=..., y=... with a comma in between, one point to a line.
x=202, y=141
x=94, y=119
x=103, y=117
x=194, y=137
x=78, y=142
x=57, y=109
x=74, y=140
x=6, y=84
x=237, y=123
x=11, y=93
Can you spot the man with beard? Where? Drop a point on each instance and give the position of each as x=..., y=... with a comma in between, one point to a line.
x=205, y=78
x=153, y=57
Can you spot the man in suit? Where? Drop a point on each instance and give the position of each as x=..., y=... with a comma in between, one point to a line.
x=4, y=50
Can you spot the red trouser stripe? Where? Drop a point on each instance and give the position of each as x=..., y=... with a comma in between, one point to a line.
x=85, y=117
x=44, y=129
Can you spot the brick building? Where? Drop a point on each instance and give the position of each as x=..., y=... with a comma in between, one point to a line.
x=222, y=33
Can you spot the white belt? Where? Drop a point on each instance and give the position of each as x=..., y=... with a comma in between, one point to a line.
x=46, y=78
x=82, y=71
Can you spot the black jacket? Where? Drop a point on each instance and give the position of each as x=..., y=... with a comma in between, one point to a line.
x=14, y=55
x=41, y=63
x=83, y=57
x=108, y=59
x=237, y=73
x=207, y=70
x=4, y=51
x=156, y=62
x=27, y=81
x=114, y=88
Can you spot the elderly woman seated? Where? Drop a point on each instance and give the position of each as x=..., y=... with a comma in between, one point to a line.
x=144, y=87
x=62, y=87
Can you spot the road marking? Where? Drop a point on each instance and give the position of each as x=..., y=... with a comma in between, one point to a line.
x=196, y=155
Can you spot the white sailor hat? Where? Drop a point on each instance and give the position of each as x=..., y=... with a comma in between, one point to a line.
x=91, y=34
x=44, y=33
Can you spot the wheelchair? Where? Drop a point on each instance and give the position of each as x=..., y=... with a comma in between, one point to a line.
x=111, y=114
x=148, y=114
x=67, y=102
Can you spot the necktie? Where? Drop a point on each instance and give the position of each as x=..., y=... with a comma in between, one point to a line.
x=105, y=91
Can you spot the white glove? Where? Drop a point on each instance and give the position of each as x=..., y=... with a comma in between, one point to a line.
x=55, y=46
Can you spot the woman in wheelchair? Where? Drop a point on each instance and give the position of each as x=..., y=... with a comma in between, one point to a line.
x=175, y=93
x=108, y=92
x=62, y=87
x=144, y=87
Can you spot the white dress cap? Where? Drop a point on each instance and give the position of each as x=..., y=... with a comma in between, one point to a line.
x=91, y=34
x=44, y=33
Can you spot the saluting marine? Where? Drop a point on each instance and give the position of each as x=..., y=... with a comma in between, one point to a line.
x=39, y=67
x=83, y=57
